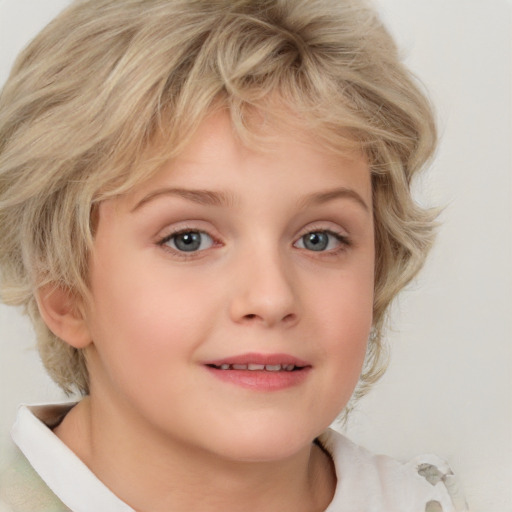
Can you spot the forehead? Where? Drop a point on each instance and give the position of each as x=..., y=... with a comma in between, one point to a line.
x=282, y=150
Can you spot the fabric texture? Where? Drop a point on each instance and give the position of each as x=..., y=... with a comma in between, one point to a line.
x=45, y=476
x=22, y=490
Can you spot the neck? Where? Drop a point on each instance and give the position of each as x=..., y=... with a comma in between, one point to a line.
x=154, y=473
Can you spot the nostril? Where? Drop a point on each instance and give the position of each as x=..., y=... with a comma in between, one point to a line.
x=287, y=318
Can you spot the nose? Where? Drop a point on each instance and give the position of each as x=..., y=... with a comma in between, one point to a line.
x=264, y=292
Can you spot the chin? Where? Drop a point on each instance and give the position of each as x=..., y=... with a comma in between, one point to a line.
x=266, y=443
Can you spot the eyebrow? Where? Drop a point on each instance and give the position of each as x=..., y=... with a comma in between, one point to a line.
x=203, y=197
x=330, y=195
x=220, y=198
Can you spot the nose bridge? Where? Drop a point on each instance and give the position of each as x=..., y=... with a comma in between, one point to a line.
x=264, y=288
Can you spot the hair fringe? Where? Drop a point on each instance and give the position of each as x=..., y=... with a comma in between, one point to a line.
x=112, y=89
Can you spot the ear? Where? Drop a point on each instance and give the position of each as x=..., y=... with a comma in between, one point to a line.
x=62, y=314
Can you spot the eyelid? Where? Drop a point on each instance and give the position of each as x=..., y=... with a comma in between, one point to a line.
x=183, y=226
x=339, y=233
x=341, y=238
x=162, y=239
x=324, y=227
x=175, y=235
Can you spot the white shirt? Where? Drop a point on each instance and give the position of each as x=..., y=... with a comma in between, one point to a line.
x=365, y=482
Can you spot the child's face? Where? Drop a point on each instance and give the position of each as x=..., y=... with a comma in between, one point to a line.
x=234, y=256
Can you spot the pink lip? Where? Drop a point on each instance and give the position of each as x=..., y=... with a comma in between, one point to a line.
x=261, y=379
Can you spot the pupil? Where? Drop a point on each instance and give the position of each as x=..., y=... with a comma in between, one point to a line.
x=316, y=241
x=188, y=241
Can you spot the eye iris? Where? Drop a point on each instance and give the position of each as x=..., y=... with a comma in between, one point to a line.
x=316, y=241
x=188, y=241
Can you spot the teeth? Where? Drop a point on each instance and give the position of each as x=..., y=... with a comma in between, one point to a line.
x=255, y=366
x=258, y=367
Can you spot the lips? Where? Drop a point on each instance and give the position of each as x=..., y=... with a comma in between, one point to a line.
x=264, y=372
x=258, y=367
x=260, y=362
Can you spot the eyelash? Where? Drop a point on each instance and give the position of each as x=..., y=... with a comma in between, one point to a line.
x=184, y=254
x=343, y=240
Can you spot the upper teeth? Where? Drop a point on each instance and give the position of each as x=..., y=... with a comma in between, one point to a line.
x=253, y=366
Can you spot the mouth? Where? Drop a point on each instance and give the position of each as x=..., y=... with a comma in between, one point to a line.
x=261, y=372
x=254, y=367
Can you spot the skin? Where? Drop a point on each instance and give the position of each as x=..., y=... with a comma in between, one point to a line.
x=159, y=428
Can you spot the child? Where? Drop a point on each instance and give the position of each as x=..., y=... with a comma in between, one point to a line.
x=205, y=210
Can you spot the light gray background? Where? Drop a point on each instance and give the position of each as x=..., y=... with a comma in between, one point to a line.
x=448, y=389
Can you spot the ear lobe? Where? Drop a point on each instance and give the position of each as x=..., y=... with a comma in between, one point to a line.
x=62, y=314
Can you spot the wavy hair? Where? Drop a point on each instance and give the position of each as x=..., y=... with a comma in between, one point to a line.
x=111, y=89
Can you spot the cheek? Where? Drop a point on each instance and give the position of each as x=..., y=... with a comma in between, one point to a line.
x=346, y=297
x=348, y=324
x=344, y=316
x=147, y=311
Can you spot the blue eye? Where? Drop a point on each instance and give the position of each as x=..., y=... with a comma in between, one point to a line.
x=189, y=241
x=319, y=241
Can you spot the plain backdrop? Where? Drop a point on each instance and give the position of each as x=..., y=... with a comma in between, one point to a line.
x=448, y=388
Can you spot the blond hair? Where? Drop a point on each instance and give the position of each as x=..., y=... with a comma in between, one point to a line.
x=113, y=88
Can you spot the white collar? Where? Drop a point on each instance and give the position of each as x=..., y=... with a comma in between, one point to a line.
x=365, y=481
x=64, y=473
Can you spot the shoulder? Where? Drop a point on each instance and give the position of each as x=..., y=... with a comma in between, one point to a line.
x=23, y=490
x=45, y=475
x=381, y=483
